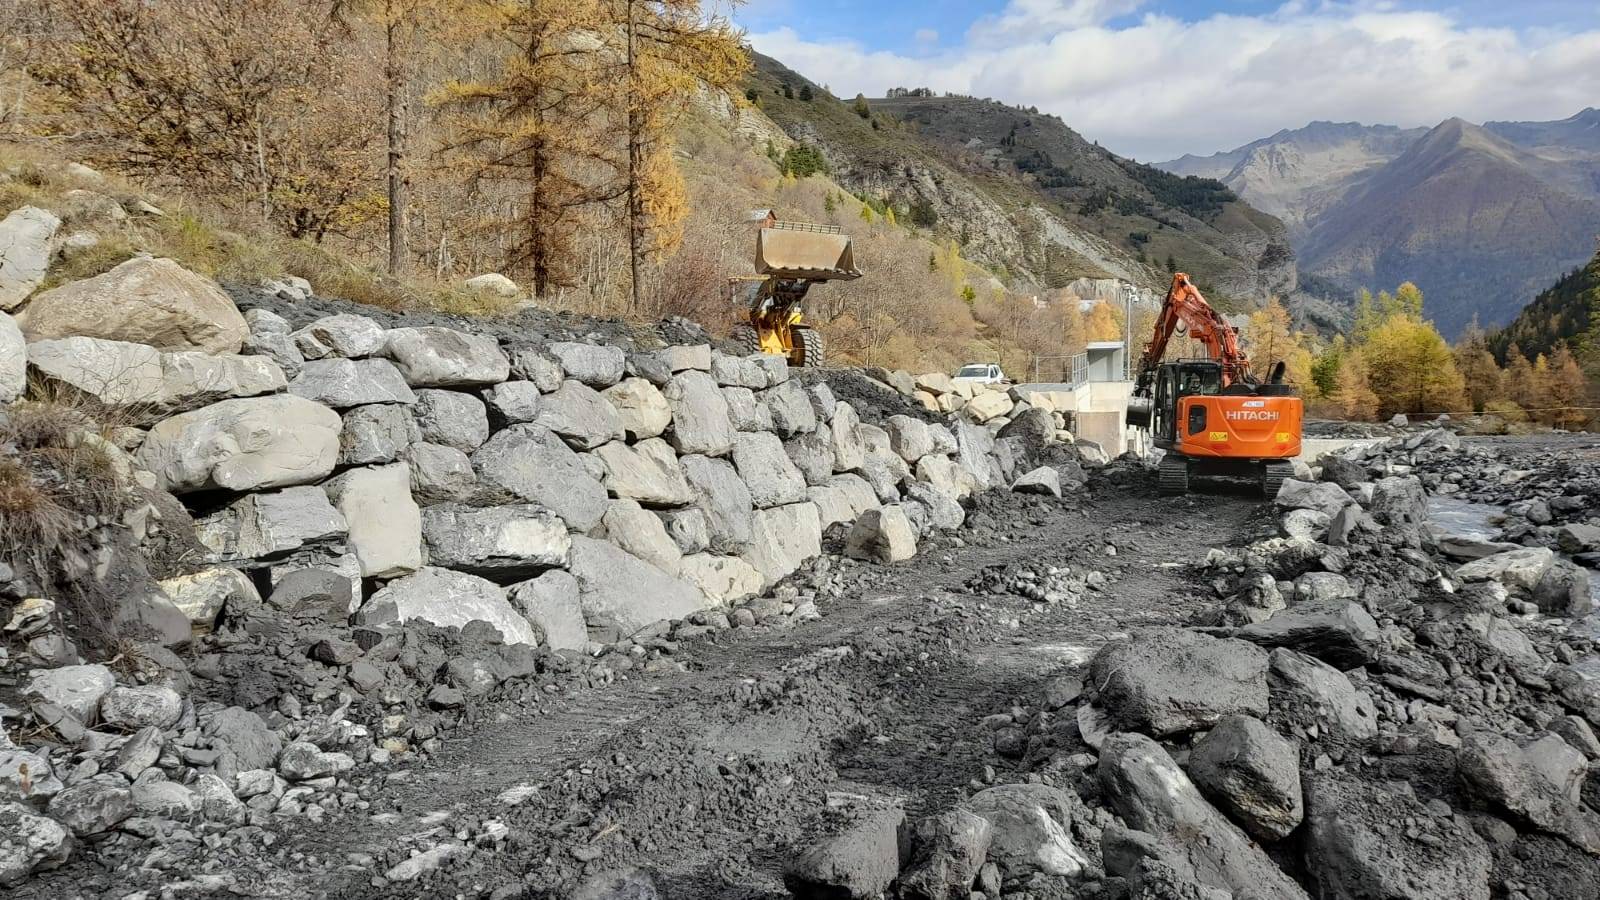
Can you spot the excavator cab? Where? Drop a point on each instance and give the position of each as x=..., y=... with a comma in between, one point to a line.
x=791, y=257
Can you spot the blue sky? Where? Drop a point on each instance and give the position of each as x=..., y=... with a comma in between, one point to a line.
x=1156, y=78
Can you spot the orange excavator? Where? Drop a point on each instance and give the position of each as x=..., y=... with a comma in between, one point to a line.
x=1213, y=416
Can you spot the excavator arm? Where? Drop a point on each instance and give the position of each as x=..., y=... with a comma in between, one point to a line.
x=1185, y=304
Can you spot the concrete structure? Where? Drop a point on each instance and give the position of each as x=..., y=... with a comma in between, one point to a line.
x=1107, y=361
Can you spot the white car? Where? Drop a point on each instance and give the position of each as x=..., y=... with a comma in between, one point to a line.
x=980, y=373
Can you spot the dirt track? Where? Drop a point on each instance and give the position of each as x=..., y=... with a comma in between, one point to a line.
x=711, y=777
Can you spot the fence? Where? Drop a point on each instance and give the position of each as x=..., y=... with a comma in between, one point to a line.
x=1070, y=370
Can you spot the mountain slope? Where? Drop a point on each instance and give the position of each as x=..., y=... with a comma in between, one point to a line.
x=1580, y=132
x=1560, y=313
x=1028, y=196
x=1465, y=215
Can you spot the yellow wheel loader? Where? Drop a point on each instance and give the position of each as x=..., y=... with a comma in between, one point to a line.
x=790, y=258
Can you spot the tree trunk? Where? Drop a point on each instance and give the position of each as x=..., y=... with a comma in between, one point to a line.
x=394, y=84
x=635, y=152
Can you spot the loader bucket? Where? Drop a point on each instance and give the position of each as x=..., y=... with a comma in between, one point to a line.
x=809, y=252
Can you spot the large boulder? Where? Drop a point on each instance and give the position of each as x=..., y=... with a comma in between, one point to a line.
x=642, y=407
x=76, y=689
x=344, y=383
x=986, y=405
x=551, y=603
x=1252, y=773
x=790, y=409
x=884, y=535
x=1031, y=829
x=1043, y=480
x=32, y=842
x=142, y=301
x=621, y=588
x=203, y=595
x=1322, y=496
x=1538, y=784
x=1399, y=501
x=270, y=525
x=534, y=465
x=27, y=240
x=1359, y=845
x=452, y=419
x=845, y=428
x=1152, y=794
x=1518, y=570
x=767, y=471
x=118, y=373
x=647, y=472
x=596, y=365
x=13, y=360
x=725, y=499
x=910, y=438
x=1564, y=590
x=497, y=542
x=345, y=336
x=700, y=423
x=724, y=579
x=447, y=599
x=1310, y=694
x=783, y=539
x=244, y=445
x=857, y=863
x=581, y=415
x=642, y=533
x=1165, y=681
x=948, y=851
x=441, y=357
x=439, y=474
x=385, y=523
x=376, y=434
x=1337, y=630
x=975, y=452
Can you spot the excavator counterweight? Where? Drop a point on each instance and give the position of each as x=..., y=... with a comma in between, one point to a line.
x=1212, y=415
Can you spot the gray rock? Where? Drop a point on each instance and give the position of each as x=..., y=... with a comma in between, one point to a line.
x=27, y=778
x=498, y=542
x=1563, y=590
x=1470, y=547
x=344, y=383
x=734, y=371
x=76, y=689
x=1252, y=774
x=165, y=799
x=140, y=706
x=679, y=357
x=690, y=529
x=745, y=412
x=1518, y=570
x=203, y=595
x=439, y=474
x=143, y=301
x=536, y=466
x=246, y=742
x=783, y=538
x=1322, y=496
x=724, y=580
x=640, y=532
x=279, y=348
x=861, y=861
x=217, y=800
x=373, y=435
x=580, y=415
x=619, y=587
x=303, y=761
x=13, y=360
x=700, y=423
x=949, y=849
x=1310, y=693
x=139, y=752
x=910, y=438
x=243, y=445
x=1031, y=830
x=647, y=472
x=944, y=513
x=447, y=599
x=790, y=408
x=1573, y=538
x=1043, y=480
x=722, y=495
x=385, y=525
x=441, y=357
x=627, y=884
x=1576, y=732
x=538, y=367
x=1152, y=794
x=27, y=241
x=452, y=419
x=1166, y=681
x=774, y=369
x=772, y=478
x=33, y=843
x=265, y=321
x=92, y=807
x=642, y=407
x=513, y=402
x=595, y=365
x=551, y=603
x=1346, y=473
x=822, y=401
x=1399, y=501
x=342, y=336
x=1539, y=784
x=884, y=535
x=812, y=454
x=849, y=452
x=125, y=374
x=1354, y=849
x=1305, y=524
x=1338, y=631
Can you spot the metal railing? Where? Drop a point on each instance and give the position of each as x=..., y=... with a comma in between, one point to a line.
x=1074, y=373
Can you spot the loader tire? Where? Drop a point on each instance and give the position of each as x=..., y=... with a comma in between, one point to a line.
x=809, y=348
x=745, y=338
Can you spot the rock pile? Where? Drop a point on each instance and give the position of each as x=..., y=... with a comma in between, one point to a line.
x=390, y=522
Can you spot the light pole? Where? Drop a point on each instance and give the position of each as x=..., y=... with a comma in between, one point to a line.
x=1127, y=321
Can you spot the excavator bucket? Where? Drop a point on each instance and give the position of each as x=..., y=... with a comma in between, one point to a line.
x=807, y=252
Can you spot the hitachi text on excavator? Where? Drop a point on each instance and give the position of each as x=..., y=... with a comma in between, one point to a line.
x=1213, y=416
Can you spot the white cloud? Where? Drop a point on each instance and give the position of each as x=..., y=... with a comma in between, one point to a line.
x=1161, y=86
x=926, y=37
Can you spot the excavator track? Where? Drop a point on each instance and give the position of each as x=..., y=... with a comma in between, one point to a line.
x=1273, y=475
x=1173, y=474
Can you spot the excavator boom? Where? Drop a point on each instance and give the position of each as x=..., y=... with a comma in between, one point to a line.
x=1185, y=304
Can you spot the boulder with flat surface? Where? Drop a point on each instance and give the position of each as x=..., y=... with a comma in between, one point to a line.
x=647, y=472
x=783, y=538
x=617, y=586
x=534, y=465
x=1322, y=496
x=13, y=360
x=859, y=862
x=767, y=471
x=581, y=415
x=1308, y=693
x=1030, y=829
x=27, y=241
x=448, y=599
x=269, y=525
x=1165, y=681
x=1252, y=773
x=641, y=533
x=551, y=603
x=452, y=419
x=244, y=445
x=1336, y=629
x=1539, y=784
x=595, y=365
x=385, y=524
x=642, y=407
x=700, y=422
x=883, y=535
x=498, y=542
x=142, y=301
x=432, y=356
x=724, y=498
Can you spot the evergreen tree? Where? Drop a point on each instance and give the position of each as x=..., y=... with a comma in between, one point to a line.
x=861, y=108
x=805, y=92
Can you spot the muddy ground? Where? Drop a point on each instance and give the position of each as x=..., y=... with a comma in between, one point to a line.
x=715, y=777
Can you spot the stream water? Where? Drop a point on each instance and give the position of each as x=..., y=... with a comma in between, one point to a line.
x=1465, y=517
